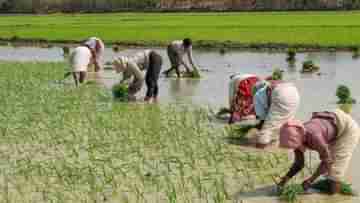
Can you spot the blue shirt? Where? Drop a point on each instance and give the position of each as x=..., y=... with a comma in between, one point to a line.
x=261, y=103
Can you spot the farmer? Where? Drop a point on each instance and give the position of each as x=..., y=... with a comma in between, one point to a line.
x=97, y=49
x=176, y=52
x=275, y=103
x=334, y=135
x=240, y=96
x=85, y=55
x=148, y=61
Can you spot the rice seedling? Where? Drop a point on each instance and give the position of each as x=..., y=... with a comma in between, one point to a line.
x=66, y=50
x=291, y=55
x=324, y=186
x=120, y=91
x=69, y=144
x=290, y=193
x=355, y=52
x=345, y=100
x=277, y=74
x=309, y=67
x=207, y=29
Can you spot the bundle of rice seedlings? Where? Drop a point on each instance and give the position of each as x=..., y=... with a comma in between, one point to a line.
x=345, y=100
x=291, y=192
x=291, y=54
x=309, y=67
x=277, y=74
x=120, y=91
x=324, y=186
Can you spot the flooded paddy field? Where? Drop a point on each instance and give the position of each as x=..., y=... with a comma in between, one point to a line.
x=317, y=90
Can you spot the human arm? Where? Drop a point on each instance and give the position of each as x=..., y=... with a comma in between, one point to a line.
x=297, y=166
x=260, y=125
x=190, y=57
x=134, y=70
x=322, y=148
x=126, y=76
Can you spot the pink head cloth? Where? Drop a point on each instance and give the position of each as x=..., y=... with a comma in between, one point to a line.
x=292, y=135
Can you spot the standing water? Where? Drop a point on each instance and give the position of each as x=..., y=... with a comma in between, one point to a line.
x=317, y=90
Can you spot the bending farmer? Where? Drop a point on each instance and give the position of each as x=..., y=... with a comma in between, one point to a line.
x=240, y=96
x=133, y=66
x=176, y=52
x=275, y=103
x=83, y=56
x=334, y=135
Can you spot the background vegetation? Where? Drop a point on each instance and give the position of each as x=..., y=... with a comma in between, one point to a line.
x=291, y=28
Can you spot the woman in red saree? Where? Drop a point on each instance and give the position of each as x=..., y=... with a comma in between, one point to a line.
x=241, y=99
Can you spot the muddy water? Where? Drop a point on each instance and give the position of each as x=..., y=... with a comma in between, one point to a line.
x=317, y=91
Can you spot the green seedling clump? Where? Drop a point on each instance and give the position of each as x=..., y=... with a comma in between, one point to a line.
x=324, y=186
x=344, y=95
x=81, y=146
x=193, y=74
x=241, y=131
x=291, y=55
x=223, y=111
x=66, y=50
x=277, y=74
x=309, y=67
x=290, y=193
x=356, y=52
x=116, y=48
x=120, y=91
x=345, y=100
x=90, y=82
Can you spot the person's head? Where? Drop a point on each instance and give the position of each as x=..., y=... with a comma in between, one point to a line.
x=292, y=135
x=94, y=44
x=187, y=42
x=120, y=64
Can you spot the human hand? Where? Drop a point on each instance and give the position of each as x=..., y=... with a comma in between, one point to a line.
x=307, y=184
x=280, y=185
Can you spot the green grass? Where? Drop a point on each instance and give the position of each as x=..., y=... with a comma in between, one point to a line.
x=59, y=143
x=292, y=28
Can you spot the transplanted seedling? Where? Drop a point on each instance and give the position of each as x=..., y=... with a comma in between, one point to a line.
x=290, y=193
x=356, y=52
x=309, y=67
x=120, y=91
x=291, y=55
x=324, y=186
x=277, y=74
x=345, y=100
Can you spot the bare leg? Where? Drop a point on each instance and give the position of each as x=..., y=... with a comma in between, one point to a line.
x=75, y=79
x=82, y=77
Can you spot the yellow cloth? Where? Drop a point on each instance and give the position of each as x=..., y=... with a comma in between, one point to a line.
x=344, y=146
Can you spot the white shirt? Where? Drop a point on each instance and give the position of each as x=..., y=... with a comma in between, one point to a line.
x=178, y=47
x=142, y=59
x=80, y=59
x=91, y=42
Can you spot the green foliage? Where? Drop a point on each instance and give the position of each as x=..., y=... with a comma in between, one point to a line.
x=291, y=55
x=277, y=74
x=324, y=186
x=290, y=193
x=293, y=28
x=239, y=131
x=120, y=91
x=309, y=67
x=65, y=144
x=344, y=95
